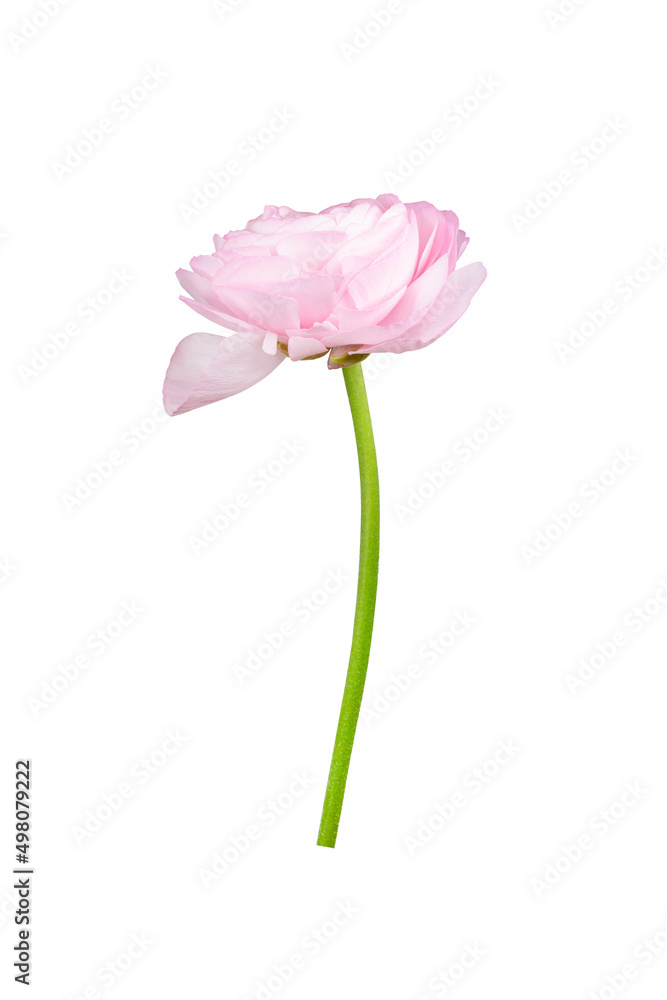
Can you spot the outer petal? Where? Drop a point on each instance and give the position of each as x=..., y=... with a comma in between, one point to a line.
x=352, y=319
x=198, y=286
x=304, y=347
x=206, y=367
x=421, y=292
x=449, y=306
x=219, y=317
x=437, y=231
x=255, y=307
x=462, y=242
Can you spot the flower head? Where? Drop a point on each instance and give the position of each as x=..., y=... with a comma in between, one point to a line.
x=355, y=279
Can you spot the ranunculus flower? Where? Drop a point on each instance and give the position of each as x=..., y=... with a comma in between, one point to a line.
x=372, y=275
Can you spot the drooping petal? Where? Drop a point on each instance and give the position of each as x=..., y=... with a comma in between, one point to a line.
x=206, y=367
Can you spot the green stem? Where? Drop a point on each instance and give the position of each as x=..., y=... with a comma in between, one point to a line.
x=369, y=551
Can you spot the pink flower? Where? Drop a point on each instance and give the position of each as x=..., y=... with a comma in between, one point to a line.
x=373, y=275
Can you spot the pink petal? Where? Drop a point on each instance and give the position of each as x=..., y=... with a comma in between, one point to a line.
x=312, y=249
x=386, y=201
x=253, y=271
x=462, y=242
x=352, y=319
x=254, y=307
x=391, y=271
x=438, y=231
x=270, y=343
x=218, y=315
x=198, y=287
x=315, y=295
x=304, y=347
x=371, y=242
x=206, y=367
x=205, y=265
x=448, y=307
x=422, y=291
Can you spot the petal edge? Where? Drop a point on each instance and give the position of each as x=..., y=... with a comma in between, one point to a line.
x=205, y=368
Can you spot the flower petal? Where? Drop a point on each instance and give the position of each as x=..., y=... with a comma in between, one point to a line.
x=352, y=319
x=219, y=316
x=447, y=308
x=421, y=292
x=304, y=347
x=462, y=242
x=391, y=271
x=438, y=234
x=206, y=367
x=315, y=295
x=259, y=309
x=313, y=249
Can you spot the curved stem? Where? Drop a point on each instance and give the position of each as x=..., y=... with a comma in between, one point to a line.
x=369, y=551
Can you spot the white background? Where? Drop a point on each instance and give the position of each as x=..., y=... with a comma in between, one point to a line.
x=481, y=882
